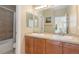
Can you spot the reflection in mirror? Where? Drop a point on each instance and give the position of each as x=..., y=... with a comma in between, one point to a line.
x=61, y=24
x=36, y=24
x=29, y=20
x=35, y=21
x=61, y=19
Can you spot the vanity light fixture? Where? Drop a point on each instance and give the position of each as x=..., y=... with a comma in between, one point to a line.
x=50, y=6
x=46, y=6
x=40, y=7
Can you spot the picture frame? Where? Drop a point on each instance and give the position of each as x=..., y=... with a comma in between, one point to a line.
x=48, y=20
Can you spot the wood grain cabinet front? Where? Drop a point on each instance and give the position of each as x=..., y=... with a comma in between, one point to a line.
x=39, y=46
x=35, y=45
x=53, y=47
x=28, y=45
x=70, y=48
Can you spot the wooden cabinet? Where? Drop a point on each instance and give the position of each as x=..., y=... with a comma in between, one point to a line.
x=70, y=48
x=53, y=47
x=35, y=45
x=28, y=45
x=39, y=46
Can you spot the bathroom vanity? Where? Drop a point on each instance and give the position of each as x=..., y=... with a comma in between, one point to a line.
x=48, y=44
x=61, y=23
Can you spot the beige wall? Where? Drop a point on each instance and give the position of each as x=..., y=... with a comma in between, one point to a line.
x=78, y=19
x=72, y=12
x=25, y=29
x=26, y=9
x=21, y=27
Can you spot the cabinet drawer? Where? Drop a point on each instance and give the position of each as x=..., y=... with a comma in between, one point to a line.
x=70, y=48
x=71, y=45
x=53, y=42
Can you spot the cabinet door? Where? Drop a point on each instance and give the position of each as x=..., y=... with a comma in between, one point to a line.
x=39, y=46
x=28, y=45
x=70, y=48
x=53, y=47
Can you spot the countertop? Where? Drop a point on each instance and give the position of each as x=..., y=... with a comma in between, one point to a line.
x=66, y=38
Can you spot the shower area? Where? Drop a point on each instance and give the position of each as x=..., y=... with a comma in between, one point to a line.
x=7, y=29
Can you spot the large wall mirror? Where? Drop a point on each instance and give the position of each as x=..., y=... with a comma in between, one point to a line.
x=32, y=21
x=29, y=20
x=60, y=19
